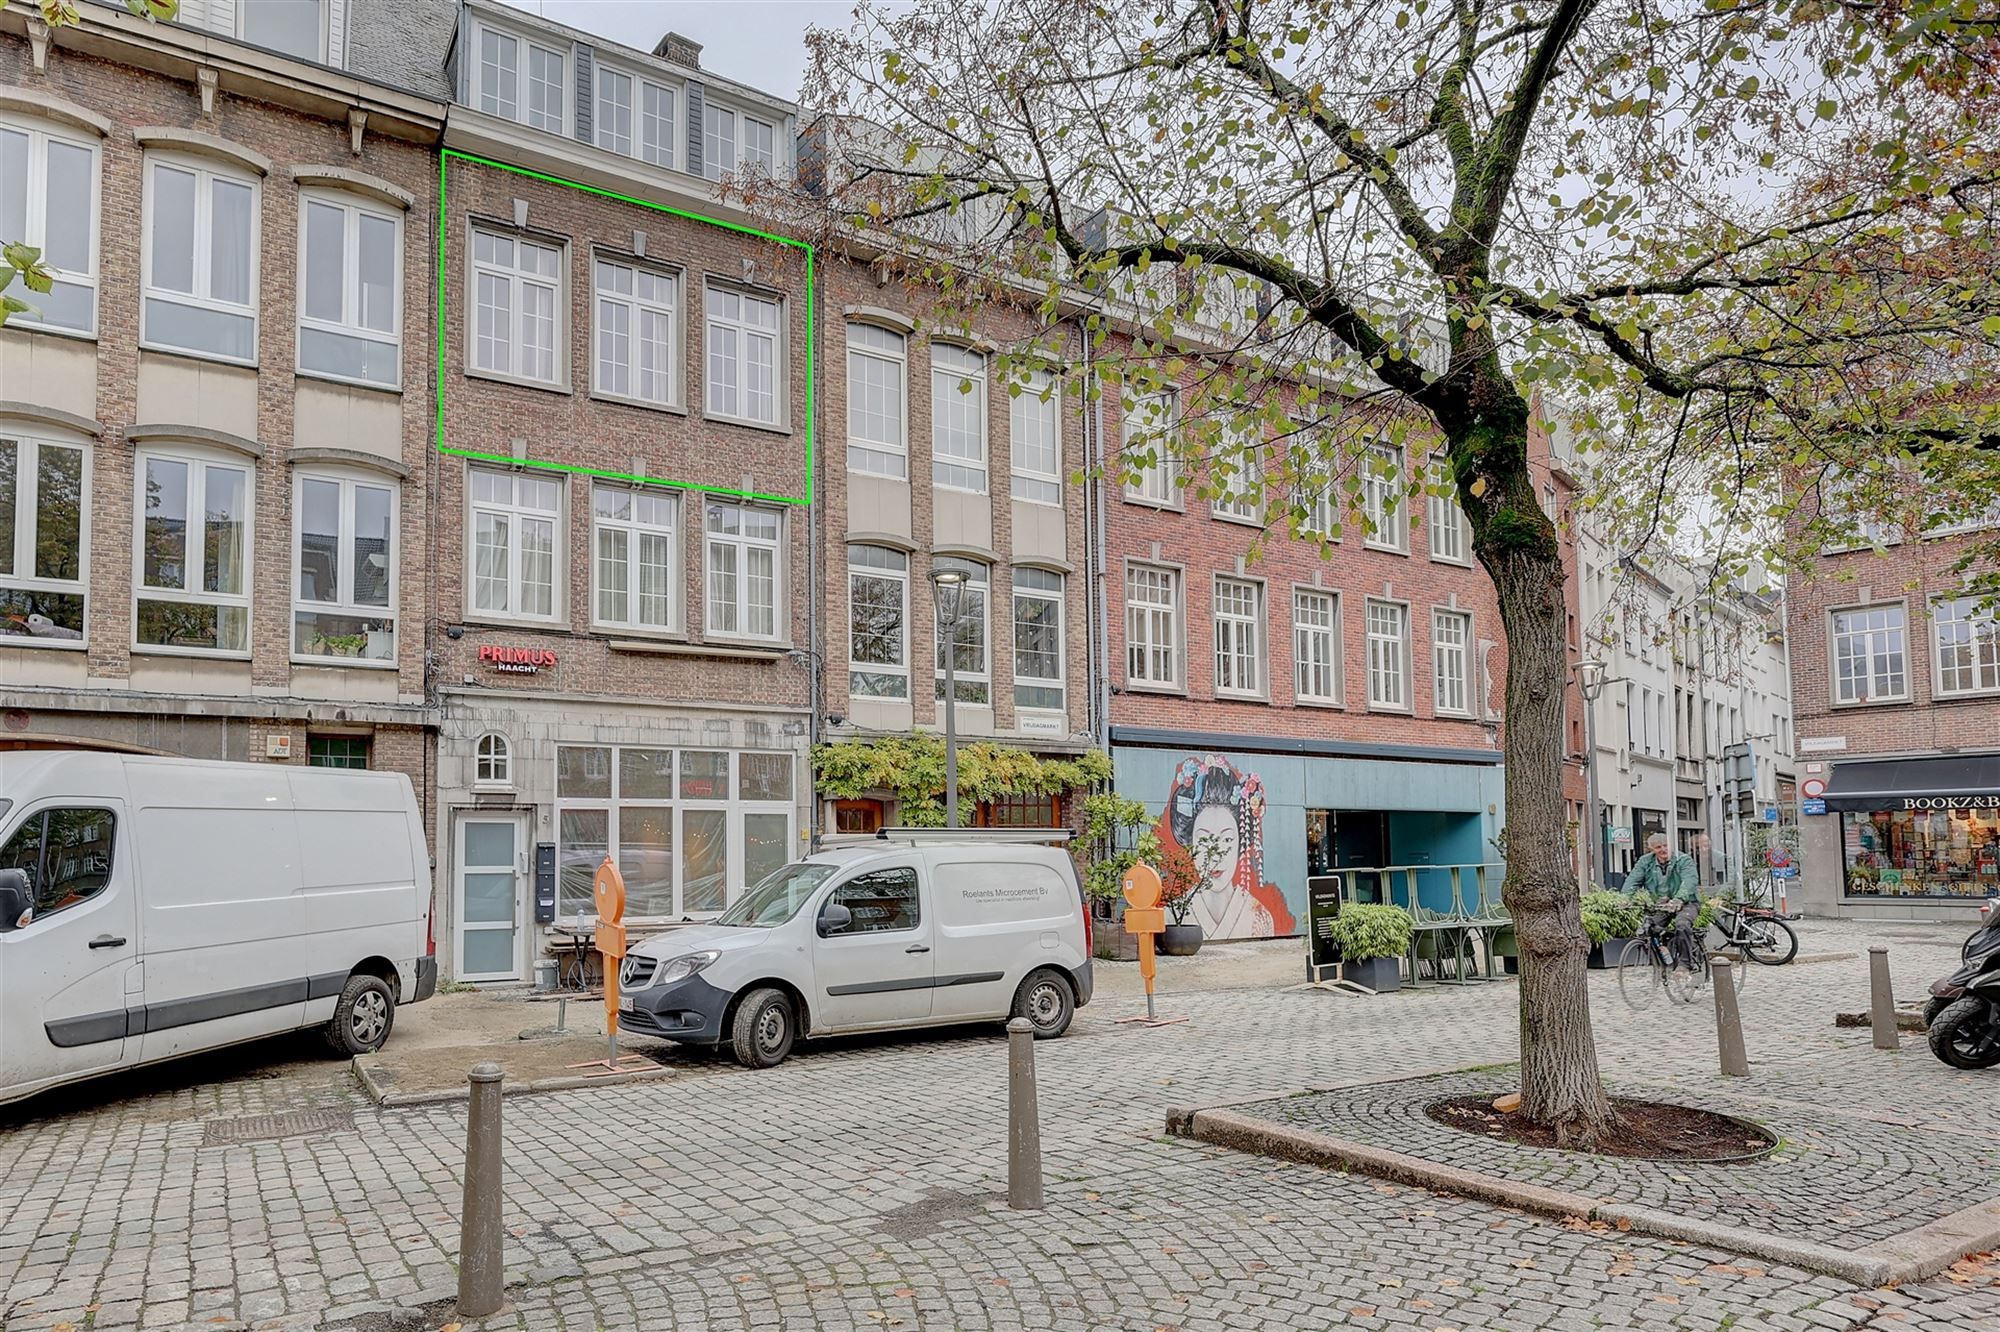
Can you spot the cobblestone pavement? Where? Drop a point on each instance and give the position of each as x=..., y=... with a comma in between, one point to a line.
x=858, y=1185
x=1833, y=1179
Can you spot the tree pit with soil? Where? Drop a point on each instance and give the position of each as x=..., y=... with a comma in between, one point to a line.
x=1645, y=1131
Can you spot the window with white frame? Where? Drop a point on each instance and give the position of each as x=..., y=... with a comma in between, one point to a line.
x=1968, y=646
x=1451, y=660
x=759, y=147
x=1388, y=655
x=877, y=420
x=1316, y=495
x=1147, y=451
x=614, y=110
x=718, y=141
x=744, y=366
x=44, y=528
x=1382, y=499
x=635, y=546
x=958, y=418
x=48, y=200
x=1239, y=636
x=350, y=269
x=1870, y=655
x=657, y=119
x=1445, y=520
x=1035, y=433
x=1239, y=470
x=968, y=638
x=743, y=559
x=878, y=608
x=344, y=604
x=1152, y=626
x=492, y=761
x=293, y=27
x=638, y=318
x=193, y=553
x=731, y=139
x=515, y=520
x=517, y=296
x=200, y=260
x=1038, y=639
x=535, y=95
x=1316, y=645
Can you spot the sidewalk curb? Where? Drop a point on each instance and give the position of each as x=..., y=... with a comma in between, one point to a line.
x=1911, y=1256
x=389, y=1099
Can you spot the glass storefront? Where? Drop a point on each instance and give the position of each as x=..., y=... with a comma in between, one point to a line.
x=689, y=828
x=1950, y=852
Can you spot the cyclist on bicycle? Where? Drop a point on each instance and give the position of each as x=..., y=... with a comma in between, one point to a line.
x=1674, y=884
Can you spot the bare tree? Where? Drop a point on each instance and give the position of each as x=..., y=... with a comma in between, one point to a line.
x=1692, y=223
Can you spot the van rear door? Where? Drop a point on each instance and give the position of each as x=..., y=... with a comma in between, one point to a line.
x=64, y=976
x=997, y=921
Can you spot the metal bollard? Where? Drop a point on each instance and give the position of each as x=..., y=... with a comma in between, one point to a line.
x=1024, y=1120
x=1881, y=1000
x=1728, y=1021
x=481, y=1278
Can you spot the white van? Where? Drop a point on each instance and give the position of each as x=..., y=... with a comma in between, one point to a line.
x=154, y=907
x=894, y=932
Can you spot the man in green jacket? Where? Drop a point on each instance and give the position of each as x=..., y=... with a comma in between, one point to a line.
x=1674, y=884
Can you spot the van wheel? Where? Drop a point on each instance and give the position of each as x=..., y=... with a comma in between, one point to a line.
x=764, y=1029
x=363, y=1017
x=1046, y=1000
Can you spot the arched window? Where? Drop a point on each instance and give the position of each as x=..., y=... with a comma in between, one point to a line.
x=492, y=761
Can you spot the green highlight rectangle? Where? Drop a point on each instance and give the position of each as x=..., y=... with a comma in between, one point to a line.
x=439, y=318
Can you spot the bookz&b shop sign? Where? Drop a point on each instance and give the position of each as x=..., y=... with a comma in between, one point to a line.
x=1990, y=800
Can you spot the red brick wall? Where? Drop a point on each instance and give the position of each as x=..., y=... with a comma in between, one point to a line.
x=1911, y=573
x=574, y=428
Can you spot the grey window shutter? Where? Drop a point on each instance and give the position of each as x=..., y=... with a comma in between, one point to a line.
x=695, y=117
x=586, y=91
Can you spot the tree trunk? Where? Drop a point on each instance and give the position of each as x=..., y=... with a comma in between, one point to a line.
x=1517, y=544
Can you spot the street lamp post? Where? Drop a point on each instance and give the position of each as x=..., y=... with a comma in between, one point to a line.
x=949, y=586
x=1590, y=683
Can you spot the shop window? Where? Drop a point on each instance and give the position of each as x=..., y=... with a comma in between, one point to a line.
x=1936, y=853
x=857, y=816
x=337, y=751
x=492, y=761
x=1032, y=811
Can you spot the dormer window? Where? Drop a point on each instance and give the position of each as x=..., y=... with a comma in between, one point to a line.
x=295, y=27
x=520, y=80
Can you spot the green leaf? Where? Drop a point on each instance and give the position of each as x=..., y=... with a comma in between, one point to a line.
x=1828, y=108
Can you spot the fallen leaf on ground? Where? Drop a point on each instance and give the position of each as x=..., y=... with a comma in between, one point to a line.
x=1624, y=1224
x=906, y=1293
x=1864, y=1302
x=1687, y=1281
x=1667, y=1299
x=1422, y=1304
x=1361, y=1311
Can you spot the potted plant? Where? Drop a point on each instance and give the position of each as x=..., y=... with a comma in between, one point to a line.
x=1117, y=834
x=1183, y=873
x=1372, y=942
x=1612, y=920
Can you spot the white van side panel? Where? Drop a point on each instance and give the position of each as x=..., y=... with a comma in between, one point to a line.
x=220, y=909
x=997, y=920
x=364, y=892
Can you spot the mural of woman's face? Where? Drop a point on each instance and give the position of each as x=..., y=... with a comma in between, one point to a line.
x=1220, y=823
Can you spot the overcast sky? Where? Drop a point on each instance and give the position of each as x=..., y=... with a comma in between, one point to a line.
x=758, y=42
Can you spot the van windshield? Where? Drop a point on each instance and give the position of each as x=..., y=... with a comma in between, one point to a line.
x=778, y=898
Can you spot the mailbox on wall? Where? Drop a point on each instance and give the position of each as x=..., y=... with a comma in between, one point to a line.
x=545, y=883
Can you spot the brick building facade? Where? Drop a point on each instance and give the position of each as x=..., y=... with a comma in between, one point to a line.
x=213, y=435
x=624, y=558
x=1315, y=703
x=934, y=462
x=1896, y=695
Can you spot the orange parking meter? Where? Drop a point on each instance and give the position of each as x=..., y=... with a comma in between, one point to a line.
x=609, y=890
x=1145, y=917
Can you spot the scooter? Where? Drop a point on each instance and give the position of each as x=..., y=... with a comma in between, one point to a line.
x=1964, y=1008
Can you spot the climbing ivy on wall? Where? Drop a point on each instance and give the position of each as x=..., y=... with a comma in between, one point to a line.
x=911, y=768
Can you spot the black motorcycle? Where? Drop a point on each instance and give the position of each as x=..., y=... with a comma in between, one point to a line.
x=1964, y=1009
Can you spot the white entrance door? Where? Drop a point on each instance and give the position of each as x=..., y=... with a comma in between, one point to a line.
x=489, y=899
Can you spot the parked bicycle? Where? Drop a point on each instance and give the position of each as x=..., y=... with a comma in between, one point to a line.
x=1755, y=931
